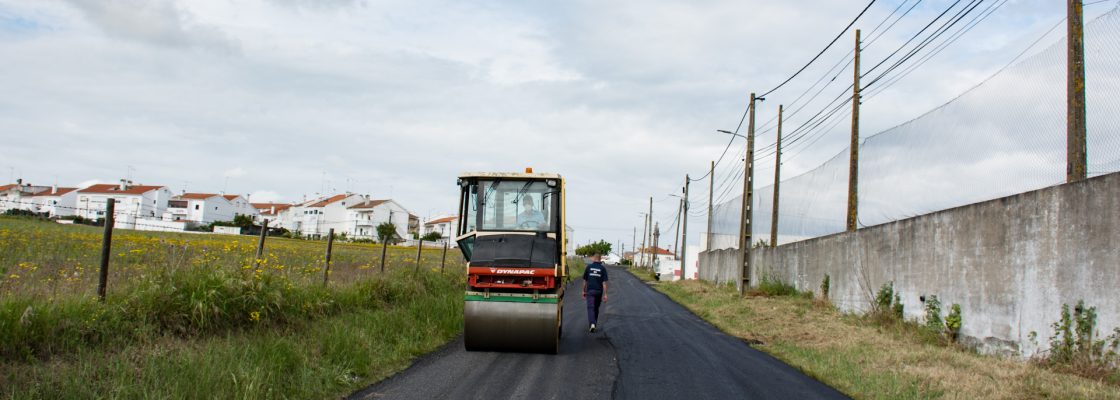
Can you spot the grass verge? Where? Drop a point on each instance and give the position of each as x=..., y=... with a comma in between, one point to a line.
x=325, y=357
x=870, y=361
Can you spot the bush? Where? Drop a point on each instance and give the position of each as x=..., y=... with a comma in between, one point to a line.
x=431, y=236
x=933, y=315
x=953, y=322
x=825, y=285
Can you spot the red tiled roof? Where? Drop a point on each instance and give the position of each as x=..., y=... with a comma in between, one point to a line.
x=195, y=196
x=369, y=204
x=266, y=208
x=8, y=186
x=230, y=197
x=442, y=220
x=329, y=200
x=112, y=188
x=61, y=191
x=657, y=250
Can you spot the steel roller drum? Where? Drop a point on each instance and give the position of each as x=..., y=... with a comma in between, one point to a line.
x=511, y=326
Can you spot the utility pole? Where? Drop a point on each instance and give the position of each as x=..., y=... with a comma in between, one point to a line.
x=711, y=187
x=634, y=242
x=853, y=159
x=639, y=256
x=656, y=236
x=684, y=229
x=1075, y=94
x=748, y=194
x=777, y=183
x=650, y=218
x=677, y=236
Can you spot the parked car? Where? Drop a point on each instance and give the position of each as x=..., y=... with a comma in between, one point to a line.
x=612, y=259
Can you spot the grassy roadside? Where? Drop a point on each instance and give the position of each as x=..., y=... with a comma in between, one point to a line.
x=326, y=357
x=199, y=316
x=868, y=361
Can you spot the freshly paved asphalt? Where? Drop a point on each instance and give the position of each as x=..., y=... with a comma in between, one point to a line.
x=648, y=348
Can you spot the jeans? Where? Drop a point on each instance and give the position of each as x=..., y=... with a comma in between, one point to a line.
x=594, y=299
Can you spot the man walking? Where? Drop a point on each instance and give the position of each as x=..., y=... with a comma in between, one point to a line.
x=594, y=288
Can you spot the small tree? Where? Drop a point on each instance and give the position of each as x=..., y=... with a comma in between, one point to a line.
x=600, y=247
x=432, y=236
x=387, y=233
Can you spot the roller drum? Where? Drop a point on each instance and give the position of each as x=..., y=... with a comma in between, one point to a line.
x=511, y=326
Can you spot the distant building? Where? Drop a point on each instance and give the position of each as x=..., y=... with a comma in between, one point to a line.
x=241, y=205
x=18, y=196
x=278, y=215
x=367, y=215
x=200, y=208
x=445, y=226
x=137, y=206
x=56, y=201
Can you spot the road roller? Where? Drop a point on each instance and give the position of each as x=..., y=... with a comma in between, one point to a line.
x=511, y=232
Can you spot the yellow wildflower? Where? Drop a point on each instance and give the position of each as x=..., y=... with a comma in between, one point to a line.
x=255, y=316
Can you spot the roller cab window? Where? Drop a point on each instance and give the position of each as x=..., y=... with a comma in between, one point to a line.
x=516, y=206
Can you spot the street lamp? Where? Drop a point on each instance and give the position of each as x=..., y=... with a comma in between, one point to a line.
x=730, y=133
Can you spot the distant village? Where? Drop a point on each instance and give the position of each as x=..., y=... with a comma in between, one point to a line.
x=156, y=208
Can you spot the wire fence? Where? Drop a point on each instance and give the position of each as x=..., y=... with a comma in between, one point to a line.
x=1004, y=136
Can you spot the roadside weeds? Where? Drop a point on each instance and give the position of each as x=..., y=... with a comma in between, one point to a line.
x=866, y=360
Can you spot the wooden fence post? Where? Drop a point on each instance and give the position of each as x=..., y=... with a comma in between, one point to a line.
x=106, y=247
x=330, y=243
x=419, y=247
x=384, y=244
x=260, y=243
x=444, y=261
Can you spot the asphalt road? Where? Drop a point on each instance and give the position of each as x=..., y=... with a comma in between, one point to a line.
x=648, y=347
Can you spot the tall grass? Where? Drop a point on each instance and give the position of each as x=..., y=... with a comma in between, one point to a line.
x=204, y=308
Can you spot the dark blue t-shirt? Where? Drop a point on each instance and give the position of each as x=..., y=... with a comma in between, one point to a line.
x=595, y=275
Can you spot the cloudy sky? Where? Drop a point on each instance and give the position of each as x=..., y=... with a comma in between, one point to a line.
x=286, y=99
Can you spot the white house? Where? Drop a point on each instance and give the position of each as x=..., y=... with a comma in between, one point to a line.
x=135, y=204
x=18, y=196
x=445, y=226
x=368, y=214
x=56, y=201
x=201, y=208
x=318, y=216
x=241, y=205
x=279, y=215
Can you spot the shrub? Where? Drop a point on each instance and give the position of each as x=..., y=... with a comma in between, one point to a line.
x=934, y=322
x=825, y=286
x=953, y=322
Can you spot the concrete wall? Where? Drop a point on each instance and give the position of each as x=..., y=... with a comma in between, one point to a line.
x=1010, y=263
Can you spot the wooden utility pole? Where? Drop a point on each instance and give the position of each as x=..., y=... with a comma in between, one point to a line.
x=330, y=244
x=777, y=183
x=260, y=243
x=653, y=254
x=677, y=235
x=748, y=194
x=711, y=189
x=1076, y=157
x=853, y=160
x=684, y=229
x=106, y=248
x=650, y=218
x=639, y=257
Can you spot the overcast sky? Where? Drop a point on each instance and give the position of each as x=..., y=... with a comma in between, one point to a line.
x=286, y=99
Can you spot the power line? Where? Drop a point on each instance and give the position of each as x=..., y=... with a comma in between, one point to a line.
x=822, y=50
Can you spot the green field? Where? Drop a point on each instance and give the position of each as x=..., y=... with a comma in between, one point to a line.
x=197, y=315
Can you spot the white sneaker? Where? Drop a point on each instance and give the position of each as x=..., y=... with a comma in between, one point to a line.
x=592, y=328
